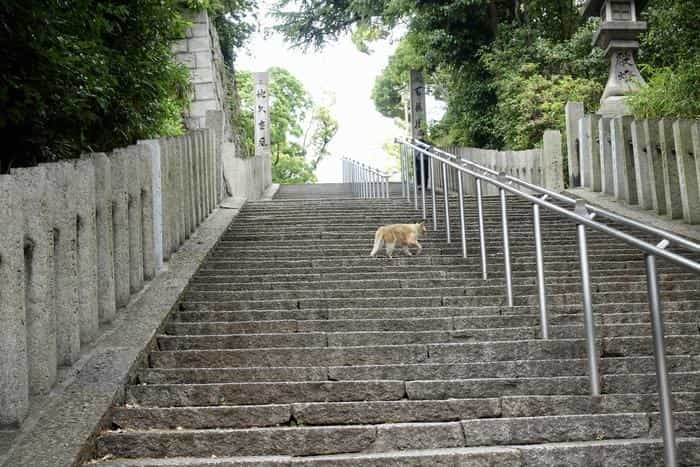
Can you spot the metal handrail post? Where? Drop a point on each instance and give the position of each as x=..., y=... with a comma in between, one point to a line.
x=422, y=182
x=447, y=202
x=506, y=242
x=482, y=233
x=539, y=260
x=431, y=165
x=415, y=182
x=461, y=213
x=386, y=186
x=589, y=321
x=402, y=164
x=657, y=330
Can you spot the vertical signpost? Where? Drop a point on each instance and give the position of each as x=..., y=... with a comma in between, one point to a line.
x=262, y=126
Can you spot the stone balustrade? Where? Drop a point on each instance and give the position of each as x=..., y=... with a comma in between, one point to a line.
x=653, y=164
x=79, y=238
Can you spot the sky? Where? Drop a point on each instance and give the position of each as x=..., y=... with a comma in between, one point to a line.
x=339, y=75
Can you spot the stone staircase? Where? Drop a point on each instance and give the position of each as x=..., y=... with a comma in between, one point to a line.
x=291, y=346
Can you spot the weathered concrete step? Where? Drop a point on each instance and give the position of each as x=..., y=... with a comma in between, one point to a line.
x=360, y=338
x=307, y=441
x=422, y=371
x=403, y=354
x=312, y=413
x=180, y=395
x=396, y=288
x=473, y=287
x=468, y=277
x=409, y=300
x=687, y=321
x=606, y=453
x=563, y=314
x=377, y=412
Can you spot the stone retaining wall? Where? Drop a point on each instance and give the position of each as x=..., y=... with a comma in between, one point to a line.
x=653, y=164
x=79, y=238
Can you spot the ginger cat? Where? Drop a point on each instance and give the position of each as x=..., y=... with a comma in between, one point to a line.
x=403, y=235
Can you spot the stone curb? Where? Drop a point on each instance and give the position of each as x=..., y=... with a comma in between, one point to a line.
x=62, y=431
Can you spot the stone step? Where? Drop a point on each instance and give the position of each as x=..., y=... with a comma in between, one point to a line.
x=361, y=338
x=605, y=453
x=471, y=286
x=394, y=298
x=179, y=395
x=683, y=320
x=377, y=412
x=407, y=372
x=422, y=353
x=569, y=314
x=308, y=441
x=404, y=289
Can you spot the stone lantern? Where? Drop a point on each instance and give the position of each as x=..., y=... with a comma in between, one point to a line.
x=617, y=36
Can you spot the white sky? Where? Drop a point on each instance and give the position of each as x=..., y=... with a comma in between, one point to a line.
x=339, y=72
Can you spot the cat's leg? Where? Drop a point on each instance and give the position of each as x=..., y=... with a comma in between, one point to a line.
x=420, y=248
x=406, y=251
x=390, y=249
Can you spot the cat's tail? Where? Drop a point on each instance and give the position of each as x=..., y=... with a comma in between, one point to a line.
x=378, y=242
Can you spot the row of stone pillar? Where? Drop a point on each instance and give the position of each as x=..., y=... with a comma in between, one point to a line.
x=79, y=238
x=654, y=164
x=539, y=166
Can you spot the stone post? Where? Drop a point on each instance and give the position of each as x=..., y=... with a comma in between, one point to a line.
x=14, y=383
x=152, y=147
x=574, y=113
x=418, y=112
x=39, y=278
x=656, y=172
x=552, y=164
x=687, y=172
x=105, y=238
x=120, y=224
x=672, y=191
x=623, y=164
x=607, y=184
x=84, y=182
x=135, y=209
x=64, y=221
x=147, y=245
x=642, y=164
x=215, y=122
x=262, y=125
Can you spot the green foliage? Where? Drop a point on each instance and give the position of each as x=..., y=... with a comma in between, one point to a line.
x=669, y=93
x=533, y=77
x=296, y=150
x=86, y=76
x=670, y=61
x=292, y=169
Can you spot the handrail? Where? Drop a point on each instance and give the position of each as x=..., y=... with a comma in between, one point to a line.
x=583, y=216
x=671, y=237
x=365, y=181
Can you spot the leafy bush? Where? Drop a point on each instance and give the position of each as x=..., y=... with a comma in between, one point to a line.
x=669, y=93
x=86, y=76
x=670, y=61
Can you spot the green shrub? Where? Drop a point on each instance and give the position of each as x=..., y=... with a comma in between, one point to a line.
x=86, y=76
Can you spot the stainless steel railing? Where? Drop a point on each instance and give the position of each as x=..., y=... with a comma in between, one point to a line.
x=365, y=181
x=414, y=152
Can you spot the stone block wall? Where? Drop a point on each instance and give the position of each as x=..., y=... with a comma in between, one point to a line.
x=79, y=238
x=653, y=164
x=541, y=166
x=199, y=51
